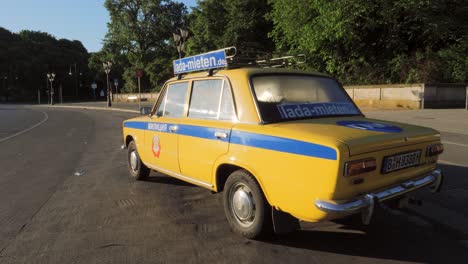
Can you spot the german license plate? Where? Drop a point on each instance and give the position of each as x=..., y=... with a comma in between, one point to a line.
x=401, y=161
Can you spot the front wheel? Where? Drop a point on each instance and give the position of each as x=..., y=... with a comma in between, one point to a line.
x=245, y=206
x=138, y=170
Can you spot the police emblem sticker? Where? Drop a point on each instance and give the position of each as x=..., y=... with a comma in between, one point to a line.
x=371, y=126
x=156, y=146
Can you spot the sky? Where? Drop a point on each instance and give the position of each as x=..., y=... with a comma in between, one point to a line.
x=83, y=20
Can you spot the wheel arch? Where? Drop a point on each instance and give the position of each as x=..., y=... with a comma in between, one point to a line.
x=128, y=139
x=224, y=169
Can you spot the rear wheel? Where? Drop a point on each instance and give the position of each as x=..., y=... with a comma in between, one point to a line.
x=138, y=170
x=245, y=206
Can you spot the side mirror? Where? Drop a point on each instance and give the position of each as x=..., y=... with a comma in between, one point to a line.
x=145, y=110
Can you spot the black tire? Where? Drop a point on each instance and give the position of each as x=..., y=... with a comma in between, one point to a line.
x=139, y=171
x=257, y=223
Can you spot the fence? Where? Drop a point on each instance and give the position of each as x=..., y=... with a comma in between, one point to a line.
x=446, y=95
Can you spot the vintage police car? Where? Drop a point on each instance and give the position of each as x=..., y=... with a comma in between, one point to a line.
x=281, y=144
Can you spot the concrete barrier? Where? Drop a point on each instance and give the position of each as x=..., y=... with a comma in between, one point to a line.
x=133, y=97
x=403, y=96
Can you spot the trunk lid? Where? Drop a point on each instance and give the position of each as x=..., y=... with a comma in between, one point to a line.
x=360, y=134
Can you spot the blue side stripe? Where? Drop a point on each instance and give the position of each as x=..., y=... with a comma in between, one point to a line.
x=250, y=139
x=201, y=132
x=136, y=125
x=282, y=144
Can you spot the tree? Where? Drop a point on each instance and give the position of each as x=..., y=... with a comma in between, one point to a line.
x=139, y=36
x=26, y=57
x=241, y=23
x=373, y=41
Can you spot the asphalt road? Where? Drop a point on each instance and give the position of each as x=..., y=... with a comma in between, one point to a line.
x=65, y=197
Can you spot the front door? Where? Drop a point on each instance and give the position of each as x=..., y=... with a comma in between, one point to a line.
x=161, y=135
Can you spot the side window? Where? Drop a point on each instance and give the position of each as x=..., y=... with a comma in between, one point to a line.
x=205, y=99
x=226, y=109
x=211, y=99
x=174, y=100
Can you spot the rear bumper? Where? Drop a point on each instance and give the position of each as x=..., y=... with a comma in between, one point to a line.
x=365, y=203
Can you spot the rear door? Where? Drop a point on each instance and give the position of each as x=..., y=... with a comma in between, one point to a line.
x=204, y=134
x=161, y=139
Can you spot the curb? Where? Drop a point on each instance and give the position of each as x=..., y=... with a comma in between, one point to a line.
x=90, y=108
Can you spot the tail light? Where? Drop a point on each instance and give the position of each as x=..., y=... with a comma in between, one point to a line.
x=359, y=166
x=435, y=149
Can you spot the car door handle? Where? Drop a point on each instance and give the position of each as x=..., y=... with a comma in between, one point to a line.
x=220, y=135
x=173, y=128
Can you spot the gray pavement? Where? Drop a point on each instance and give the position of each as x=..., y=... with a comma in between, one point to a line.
x=65, y=197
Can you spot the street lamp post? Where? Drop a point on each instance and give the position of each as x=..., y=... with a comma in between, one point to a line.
x=107, y=67
x=116, y=83
x=180, y=40
x=47, y=89
x=51, y=77
x=76, y=78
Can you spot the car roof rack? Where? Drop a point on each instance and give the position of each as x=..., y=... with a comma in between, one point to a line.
x=275, y=62
x=229, y=58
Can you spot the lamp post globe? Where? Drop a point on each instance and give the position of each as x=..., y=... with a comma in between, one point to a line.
x=51, y=77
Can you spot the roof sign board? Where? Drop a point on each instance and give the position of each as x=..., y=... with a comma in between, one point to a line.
x=205, y=61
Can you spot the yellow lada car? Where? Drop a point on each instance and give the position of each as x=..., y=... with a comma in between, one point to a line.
x=282, y=145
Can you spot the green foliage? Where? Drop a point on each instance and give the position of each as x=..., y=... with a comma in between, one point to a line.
x=357, y=41
x=139, y=37
x=375, y=41
x=241, y=23
x=26, y=57
x=454, y=60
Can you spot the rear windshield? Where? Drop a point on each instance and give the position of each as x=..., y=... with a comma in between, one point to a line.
x=291, y=97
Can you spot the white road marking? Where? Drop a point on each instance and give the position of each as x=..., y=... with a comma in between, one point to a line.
x=454, y=132
x=455, y=143
x=46, y=117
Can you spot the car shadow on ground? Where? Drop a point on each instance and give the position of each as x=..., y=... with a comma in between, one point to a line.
x=388, y=238
x=157, y=177
x=455, y=177
x=402, y=237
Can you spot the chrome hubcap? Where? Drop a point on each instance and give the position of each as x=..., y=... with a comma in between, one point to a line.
x=242, y=204
x=134, y=160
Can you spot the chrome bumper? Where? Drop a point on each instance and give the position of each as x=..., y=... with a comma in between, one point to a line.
x=365, y=203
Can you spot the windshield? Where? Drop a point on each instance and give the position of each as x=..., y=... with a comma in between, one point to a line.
x=290, y=97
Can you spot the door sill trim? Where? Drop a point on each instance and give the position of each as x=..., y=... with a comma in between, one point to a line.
x=179, y=176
